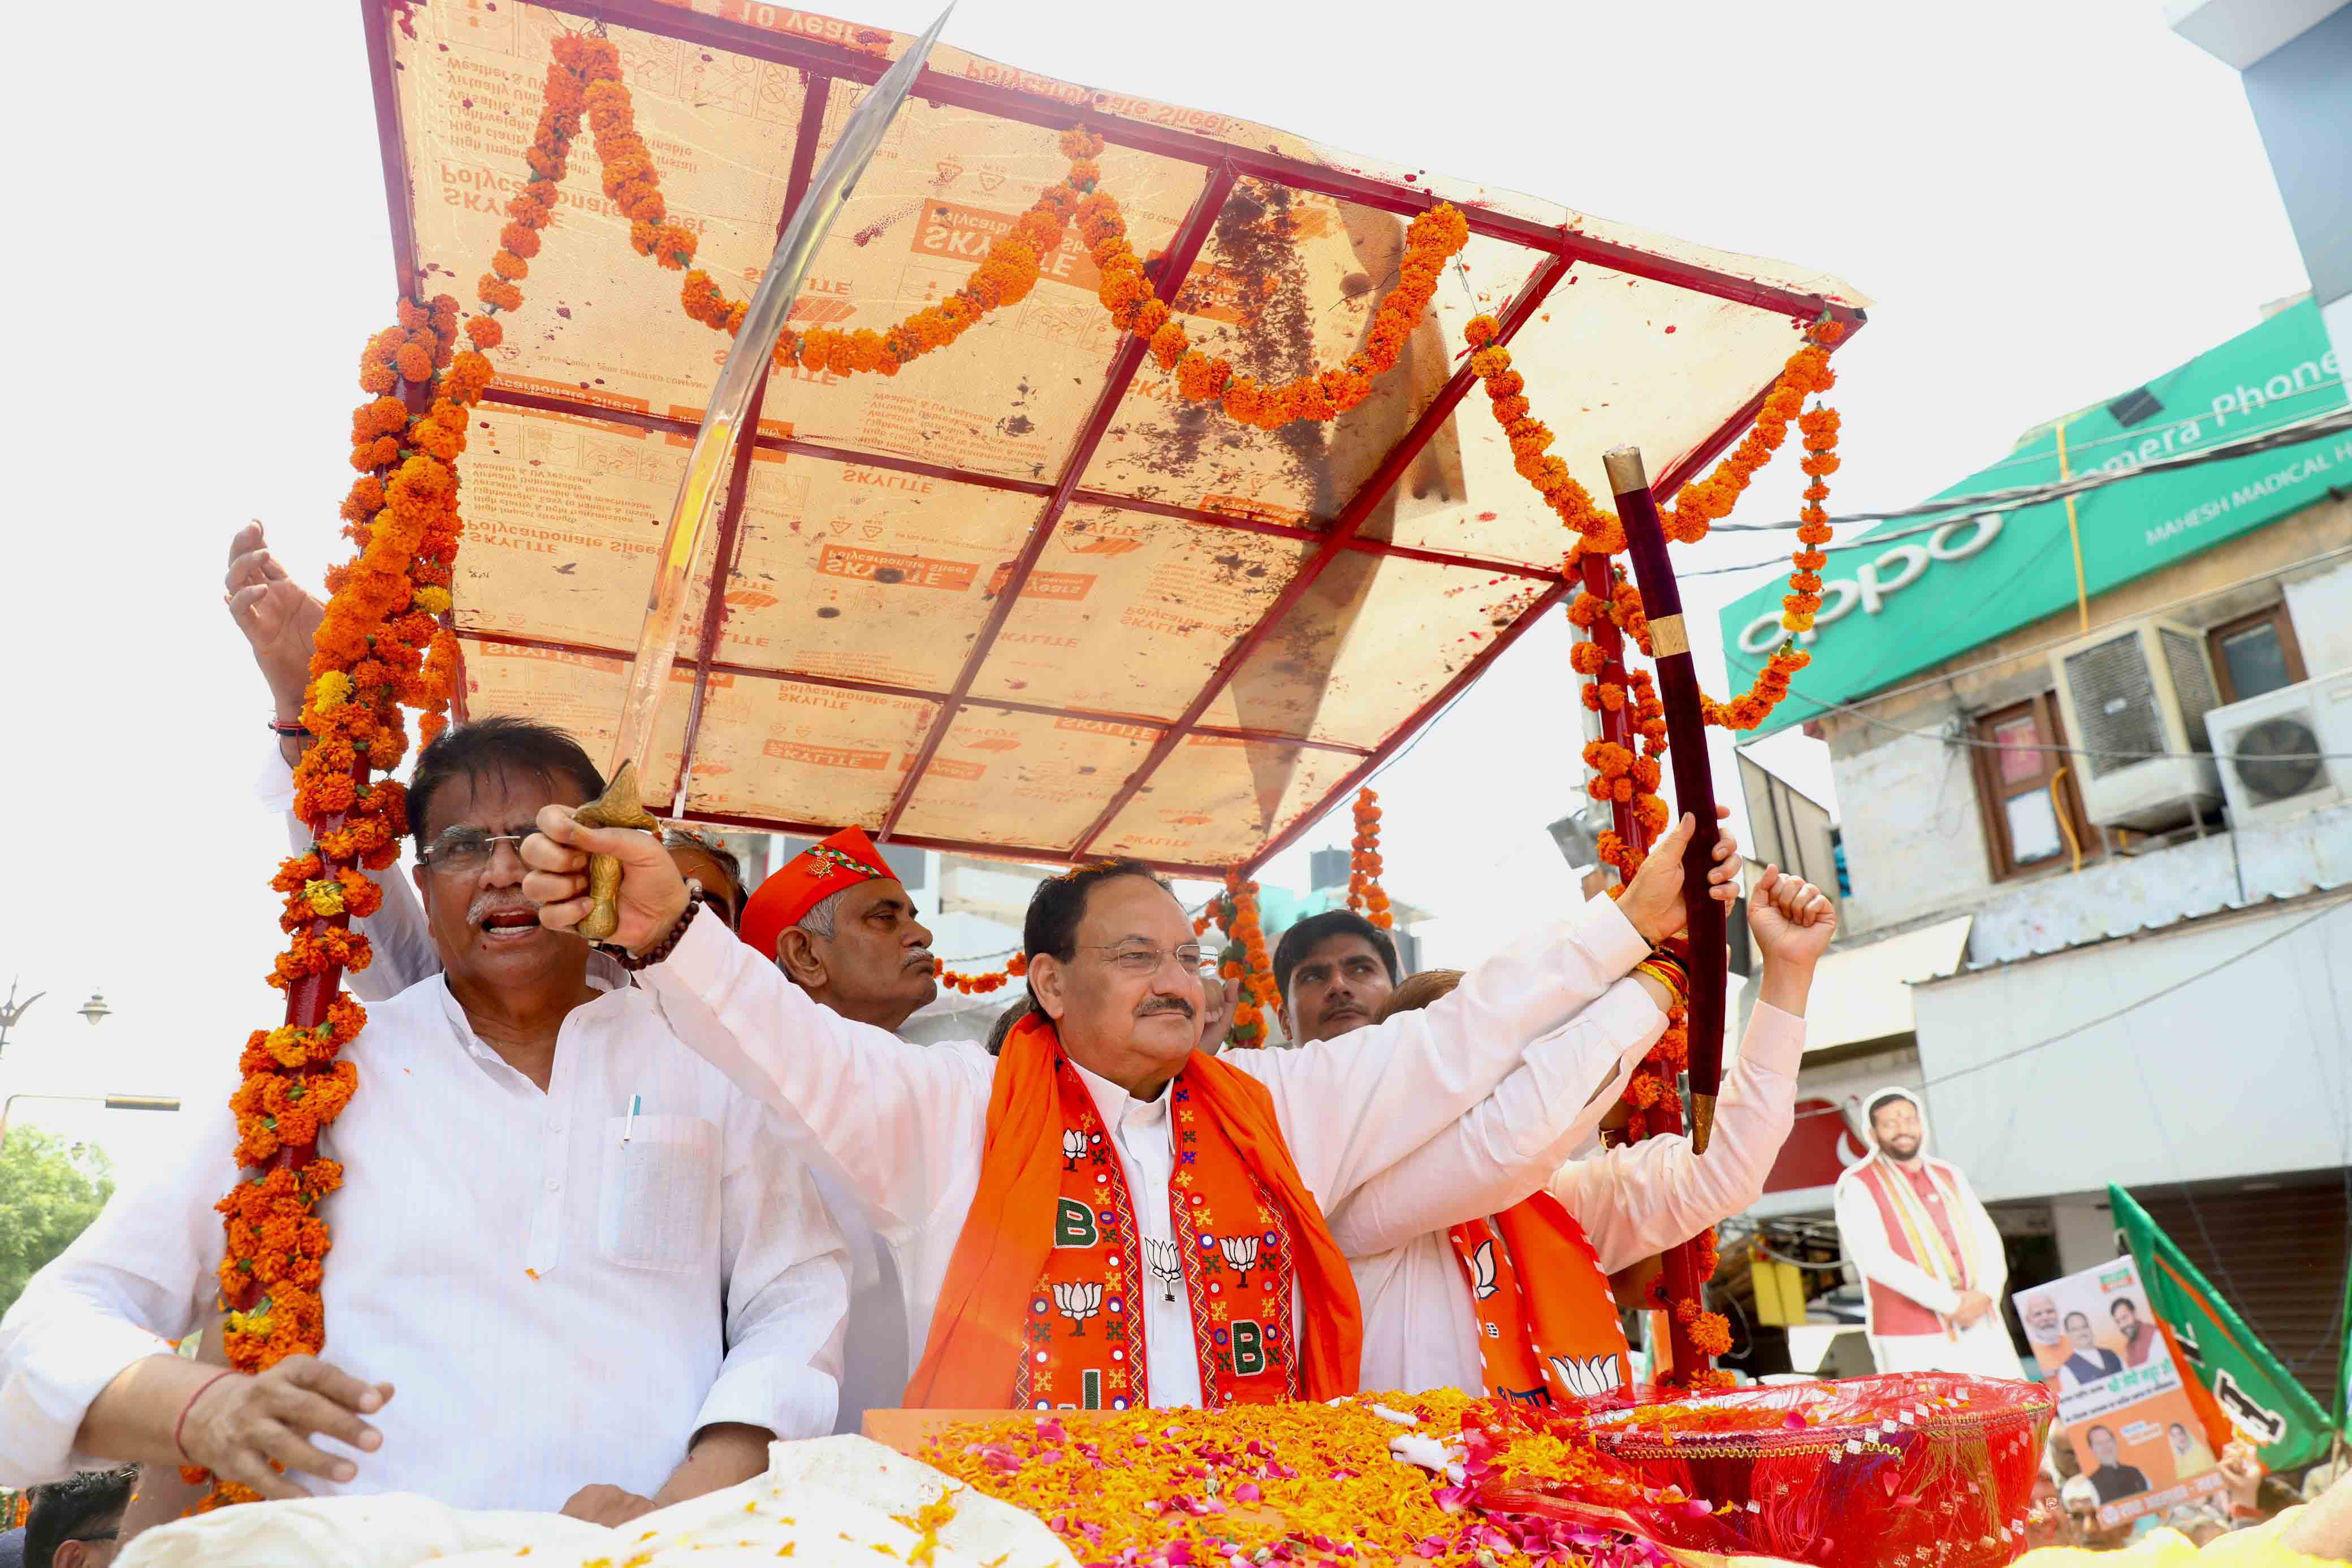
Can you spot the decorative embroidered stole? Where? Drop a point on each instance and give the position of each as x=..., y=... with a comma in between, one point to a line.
x=1548, y=1325
x=1913, y=1233
x=1230, y=1258
x=1044, y=1301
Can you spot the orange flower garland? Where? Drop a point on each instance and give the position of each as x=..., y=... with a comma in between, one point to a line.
x=1364, y=890
x=1008, y=270
x=1011, y=268
x=980, y=985
x=1244, y=959
x=1431, y=240
x=1698, y=505
x=381, y=645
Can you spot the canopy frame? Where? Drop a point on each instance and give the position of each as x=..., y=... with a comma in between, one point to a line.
x=1223, y=164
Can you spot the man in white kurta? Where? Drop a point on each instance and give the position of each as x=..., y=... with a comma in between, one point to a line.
x=279, y=618
x=906, y=1128
x=1420, y=1329
x=1930, y=1257
x=567, y=1254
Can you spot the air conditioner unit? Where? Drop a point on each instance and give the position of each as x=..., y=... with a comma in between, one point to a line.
x=2134, y=698
x=2286, y=752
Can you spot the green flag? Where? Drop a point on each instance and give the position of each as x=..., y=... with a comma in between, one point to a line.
x=2268, y=1407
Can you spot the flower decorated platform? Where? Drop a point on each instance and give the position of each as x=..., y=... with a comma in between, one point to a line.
x=1072, y=551
x=1929, y=1470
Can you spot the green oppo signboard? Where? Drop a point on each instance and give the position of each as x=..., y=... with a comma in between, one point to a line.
x=1889, y=614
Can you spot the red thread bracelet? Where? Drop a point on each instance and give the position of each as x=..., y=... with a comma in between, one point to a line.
x=181, y=1424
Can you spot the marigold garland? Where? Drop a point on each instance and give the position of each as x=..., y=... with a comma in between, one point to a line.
x=980, y=985
x=1697, y=506
x=1011, y=268
x=381, y=645
x=1365, y=893
x=1234, y=912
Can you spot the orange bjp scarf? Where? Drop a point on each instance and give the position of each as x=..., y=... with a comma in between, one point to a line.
x=1050, y=1242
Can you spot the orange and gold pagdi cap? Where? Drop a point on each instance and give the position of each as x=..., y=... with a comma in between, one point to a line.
x=807, y=880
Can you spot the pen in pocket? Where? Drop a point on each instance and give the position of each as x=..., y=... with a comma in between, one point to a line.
x=630, y=1125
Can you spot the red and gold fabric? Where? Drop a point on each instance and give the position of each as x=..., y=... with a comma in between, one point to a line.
x=807, y=880
x=1043, y=1304
x=1548, y=1325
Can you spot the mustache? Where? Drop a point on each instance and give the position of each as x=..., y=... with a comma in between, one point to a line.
x=1159, y=1005
x=496, y=901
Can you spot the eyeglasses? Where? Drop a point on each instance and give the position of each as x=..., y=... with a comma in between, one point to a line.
x=1145, y=959
x=462, y=852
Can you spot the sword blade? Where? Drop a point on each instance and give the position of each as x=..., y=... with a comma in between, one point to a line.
x=707, y=464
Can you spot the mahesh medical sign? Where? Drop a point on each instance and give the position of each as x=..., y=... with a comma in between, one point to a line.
x=1890, y=612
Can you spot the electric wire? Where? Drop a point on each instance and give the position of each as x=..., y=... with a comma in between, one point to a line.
x=2317, y=427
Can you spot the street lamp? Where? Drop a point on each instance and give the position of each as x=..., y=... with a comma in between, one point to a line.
x=95, y=1009
x=12, y=1009
x=112, y=1102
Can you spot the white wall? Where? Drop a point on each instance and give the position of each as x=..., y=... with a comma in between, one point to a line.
x=2085, y=1228
x=2321, y=609
x=1914, y=842
x=2238, y=1072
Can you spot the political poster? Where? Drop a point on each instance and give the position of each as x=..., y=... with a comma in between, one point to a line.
x=2121, y=1399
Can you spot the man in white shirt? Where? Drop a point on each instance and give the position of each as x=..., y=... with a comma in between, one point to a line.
x=570, y=1260
x=1437, y=1308
x=946, y=1145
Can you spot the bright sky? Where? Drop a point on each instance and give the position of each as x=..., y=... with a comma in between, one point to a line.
x=2049, y=203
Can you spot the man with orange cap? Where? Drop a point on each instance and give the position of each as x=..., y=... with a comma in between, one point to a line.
x=1102, y=1215
x=835, y=919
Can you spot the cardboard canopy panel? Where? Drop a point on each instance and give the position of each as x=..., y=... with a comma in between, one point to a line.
x=1020, y=599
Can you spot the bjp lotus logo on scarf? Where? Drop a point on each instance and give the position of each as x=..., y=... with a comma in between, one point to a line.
x=1240, y=1251
x=1077, y=1302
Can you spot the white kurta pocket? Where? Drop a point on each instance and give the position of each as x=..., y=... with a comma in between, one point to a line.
x=657, y=1206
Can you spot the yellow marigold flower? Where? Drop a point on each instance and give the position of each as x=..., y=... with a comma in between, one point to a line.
x=330, y=691
x=324, y=897
x=433, y=601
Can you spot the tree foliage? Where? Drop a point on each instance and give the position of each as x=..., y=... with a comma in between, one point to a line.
x=49, y=1191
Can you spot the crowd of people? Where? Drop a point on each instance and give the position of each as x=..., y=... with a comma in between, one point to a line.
x=614, y=1216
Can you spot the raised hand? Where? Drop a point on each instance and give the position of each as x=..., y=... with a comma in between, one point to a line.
x=277, y=614
x=1653, y=900
x=652, y=895
x=1222, y=997
x=1792, y=919
x=240, y=1424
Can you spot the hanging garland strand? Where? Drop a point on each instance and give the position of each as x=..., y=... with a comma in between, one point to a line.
x=1234, y=912
x=980, y=985
x=1010, y=269
x=1699, y=505
x=1365, y=895
x=381, y=645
